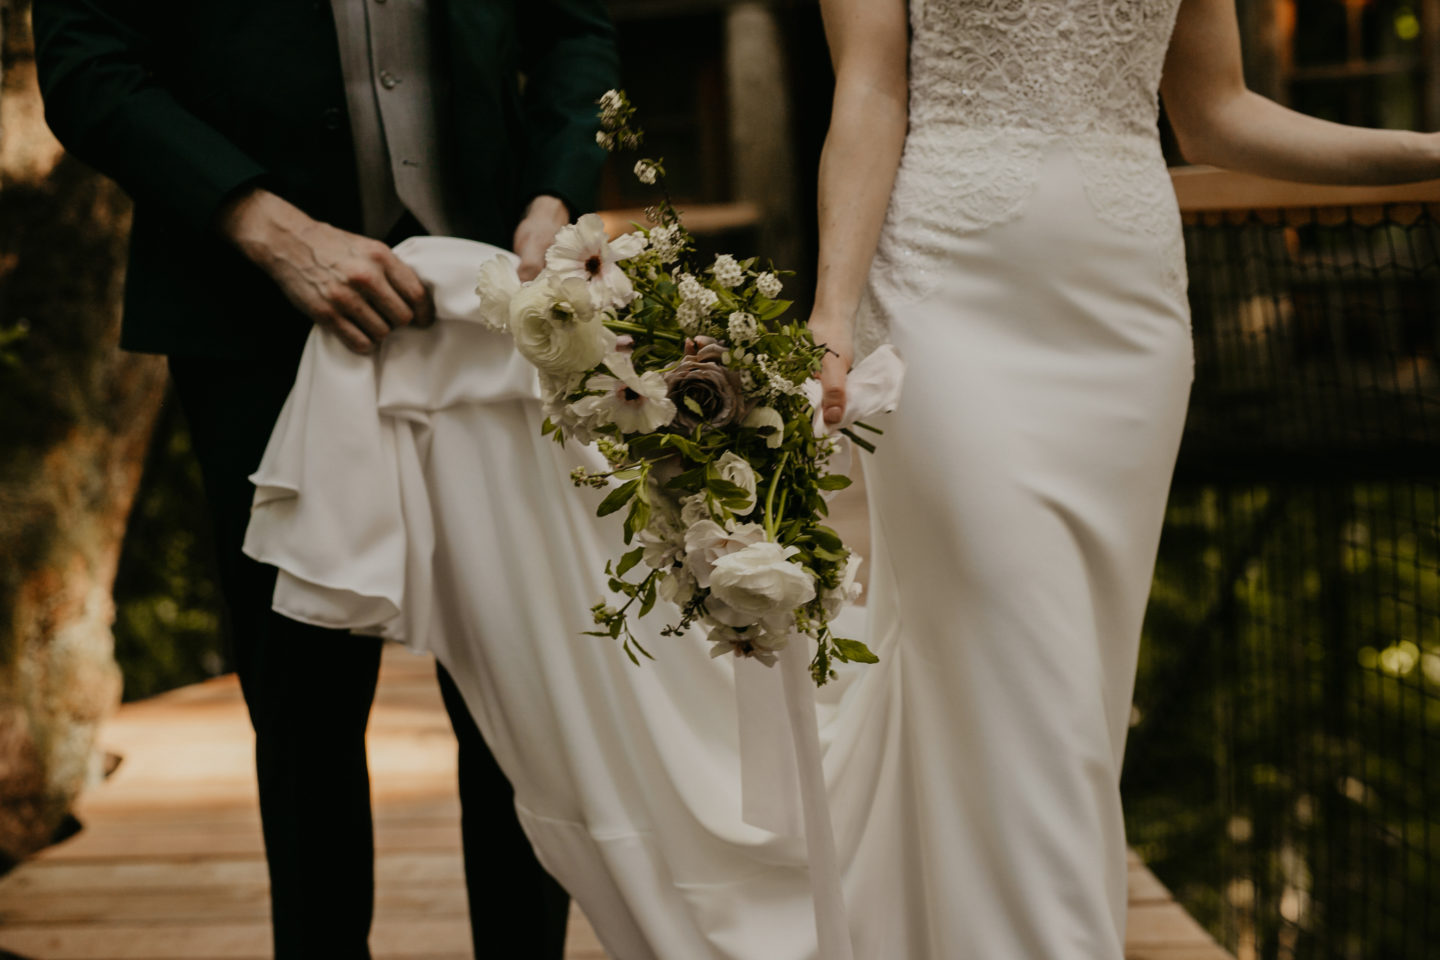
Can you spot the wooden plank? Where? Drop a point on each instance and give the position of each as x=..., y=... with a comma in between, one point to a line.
x=171, y=868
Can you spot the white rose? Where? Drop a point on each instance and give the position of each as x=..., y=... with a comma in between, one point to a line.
x=556, y=326
x=738, y=471
x=847, y=593
x=707, y=541
x=496, y=287
x=760, y=582
x=766, y=419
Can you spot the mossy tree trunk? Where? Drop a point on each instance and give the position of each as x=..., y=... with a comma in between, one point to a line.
x=75, y=419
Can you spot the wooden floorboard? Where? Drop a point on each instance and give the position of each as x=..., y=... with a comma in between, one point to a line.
x=170, y=866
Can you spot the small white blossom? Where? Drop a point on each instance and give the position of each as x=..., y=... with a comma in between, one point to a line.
x=646, y=172
x=769, y=285
x=688, y=315
x=666, y=242
x=606, y=140
x=728, y=273
x=689, y=287
x=743, y=327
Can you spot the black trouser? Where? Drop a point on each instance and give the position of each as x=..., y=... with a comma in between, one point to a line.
x=309, y=692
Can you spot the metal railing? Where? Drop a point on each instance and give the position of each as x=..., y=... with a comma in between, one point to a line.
x=1283, y=772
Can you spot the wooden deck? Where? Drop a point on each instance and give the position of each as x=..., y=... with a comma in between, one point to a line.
x=170, y=866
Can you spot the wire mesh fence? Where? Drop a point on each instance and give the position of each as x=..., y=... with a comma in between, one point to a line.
x=1283, y=773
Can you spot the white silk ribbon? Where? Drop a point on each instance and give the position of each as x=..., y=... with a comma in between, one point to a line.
x=782, y=782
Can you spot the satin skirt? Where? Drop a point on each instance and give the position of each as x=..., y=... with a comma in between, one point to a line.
x=1017, y=503
x=973, y=773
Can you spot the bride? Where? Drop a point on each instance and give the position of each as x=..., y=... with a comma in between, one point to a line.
x=994, y=202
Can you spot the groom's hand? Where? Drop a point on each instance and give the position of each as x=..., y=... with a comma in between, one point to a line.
x=543, y=219
x=347, y=283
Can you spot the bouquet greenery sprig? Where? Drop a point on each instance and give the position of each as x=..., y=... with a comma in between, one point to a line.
x=699, y=391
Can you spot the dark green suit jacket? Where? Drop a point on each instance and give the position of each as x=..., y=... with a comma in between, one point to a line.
x=186, y=102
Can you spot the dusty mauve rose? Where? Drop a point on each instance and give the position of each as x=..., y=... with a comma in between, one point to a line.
x=714, y=388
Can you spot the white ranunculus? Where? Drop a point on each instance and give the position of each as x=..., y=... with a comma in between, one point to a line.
x=557, y=327
x=634, y=402
x=738, y=471
x=496, y=287
x=760, y=582
x=766, y=419
x=582, y=251
x=847, y=593
x=707, y=541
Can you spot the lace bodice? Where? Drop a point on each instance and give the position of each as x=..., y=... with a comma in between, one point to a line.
x=994, y=83
x=1065, y=68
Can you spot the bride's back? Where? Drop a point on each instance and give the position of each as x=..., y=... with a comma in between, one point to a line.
x=1056, y=66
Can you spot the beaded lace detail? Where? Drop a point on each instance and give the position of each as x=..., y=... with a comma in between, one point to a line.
x=993, y=84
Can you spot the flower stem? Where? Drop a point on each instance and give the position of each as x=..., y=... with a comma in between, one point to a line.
x=771, y=521
x=621, y=326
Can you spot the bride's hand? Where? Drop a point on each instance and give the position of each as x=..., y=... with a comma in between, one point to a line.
x=834, y=333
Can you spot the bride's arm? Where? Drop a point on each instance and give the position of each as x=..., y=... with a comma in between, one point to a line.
x=869, y=43
x=1218, y=121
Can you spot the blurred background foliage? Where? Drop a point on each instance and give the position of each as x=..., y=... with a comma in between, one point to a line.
x=1282, y=775
x=168, y=611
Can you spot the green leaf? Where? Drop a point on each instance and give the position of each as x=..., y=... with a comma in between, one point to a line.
x=648, y=602
x=617, y=498
x=627, y=562
x=834, y=481
x=832, y=555
x=638, y=519
x=775, y=309
x=853, y=651
x=725, y=490
x=826, y=537
x=694, y=406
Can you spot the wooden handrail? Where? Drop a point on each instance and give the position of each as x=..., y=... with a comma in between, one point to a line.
x=1207, y=189
x=700, y=218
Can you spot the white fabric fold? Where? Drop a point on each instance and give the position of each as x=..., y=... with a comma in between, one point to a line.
x=409, y=495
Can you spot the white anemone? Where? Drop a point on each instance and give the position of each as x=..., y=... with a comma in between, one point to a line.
x=582, y=250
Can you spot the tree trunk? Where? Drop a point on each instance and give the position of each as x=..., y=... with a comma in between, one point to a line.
x=77, y=416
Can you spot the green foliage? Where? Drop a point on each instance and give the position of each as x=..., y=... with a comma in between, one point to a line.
x=167, y=602
x=1281, y=771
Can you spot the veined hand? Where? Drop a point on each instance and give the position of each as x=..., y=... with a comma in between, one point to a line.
x=836, y=334
x=543, y=219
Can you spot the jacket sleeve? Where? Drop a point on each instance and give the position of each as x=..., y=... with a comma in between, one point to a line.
x=105, y=104
x=569, y=58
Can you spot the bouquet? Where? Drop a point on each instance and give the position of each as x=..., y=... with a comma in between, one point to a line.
x=700, y=393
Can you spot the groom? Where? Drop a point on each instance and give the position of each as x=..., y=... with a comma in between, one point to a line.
x=275, y=149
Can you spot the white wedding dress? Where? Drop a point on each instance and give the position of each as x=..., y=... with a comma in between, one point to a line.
x=1031, y=273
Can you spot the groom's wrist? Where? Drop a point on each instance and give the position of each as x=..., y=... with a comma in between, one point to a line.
x=256, y=220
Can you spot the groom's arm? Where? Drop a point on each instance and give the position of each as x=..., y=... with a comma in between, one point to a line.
x=105, y=104
x=569, y=58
